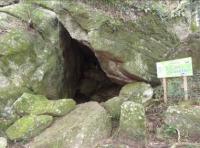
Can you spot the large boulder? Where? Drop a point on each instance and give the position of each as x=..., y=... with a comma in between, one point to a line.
x=40, y=105
x=31, y=59
x=138, y=92
x=28, y=127
x=127, y=51
x=83, y=127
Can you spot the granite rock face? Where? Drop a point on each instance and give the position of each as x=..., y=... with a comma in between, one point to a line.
x=30, y=57
x=127, y=51
x=83, y=127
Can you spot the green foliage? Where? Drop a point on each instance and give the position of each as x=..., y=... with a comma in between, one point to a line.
x=193, y=26
x=166, y=132
x=110, y=1
x=170, y=130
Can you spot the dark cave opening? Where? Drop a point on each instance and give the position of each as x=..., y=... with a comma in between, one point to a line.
x=84, y=78
x=93, y=85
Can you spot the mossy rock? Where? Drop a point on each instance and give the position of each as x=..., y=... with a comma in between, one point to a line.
x=133, y=122
x=139, y=92
x=190, y=48
x=185, y=120
x=133, y=48
x=136, y=52
x=84, y=127
x=28, y=127
x=5, y=122
x=113, y=106
x=7, y=2
x=31, y=59
x=38, y=105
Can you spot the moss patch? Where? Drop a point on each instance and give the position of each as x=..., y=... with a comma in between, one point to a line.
x=133, y=121
x=28, y=127
x=38, y=104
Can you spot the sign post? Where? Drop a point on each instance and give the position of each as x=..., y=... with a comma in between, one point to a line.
x=165, y=89
x=175, y=68
x=185, y=85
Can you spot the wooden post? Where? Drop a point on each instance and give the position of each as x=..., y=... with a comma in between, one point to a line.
x=185, y=85
x=164, y=81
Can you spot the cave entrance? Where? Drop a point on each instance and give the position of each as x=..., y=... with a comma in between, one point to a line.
x=93, y=84
x=84, y=78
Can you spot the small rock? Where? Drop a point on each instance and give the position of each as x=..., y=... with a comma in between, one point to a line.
x=139, y=92
x=38, y=104
x=28, y=127
x=186, y=145
x=3, y=142
x=113, y=106
x=111, y=145
x=133, y=122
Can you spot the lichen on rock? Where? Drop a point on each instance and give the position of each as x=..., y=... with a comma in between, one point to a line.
x=185, y=119
x=138, y=92
x=30, y=58
x=133, y=122
x=131, y=47
x=113, y=106
x=84, y=127
x=40, y=105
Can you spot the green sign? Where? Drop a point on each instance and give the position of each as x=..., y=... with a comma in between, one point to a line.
x=175, y=68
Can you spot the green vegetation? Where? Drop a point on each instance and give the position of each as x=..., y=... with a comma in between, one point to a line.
x=156, y=7
x=170, y=130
